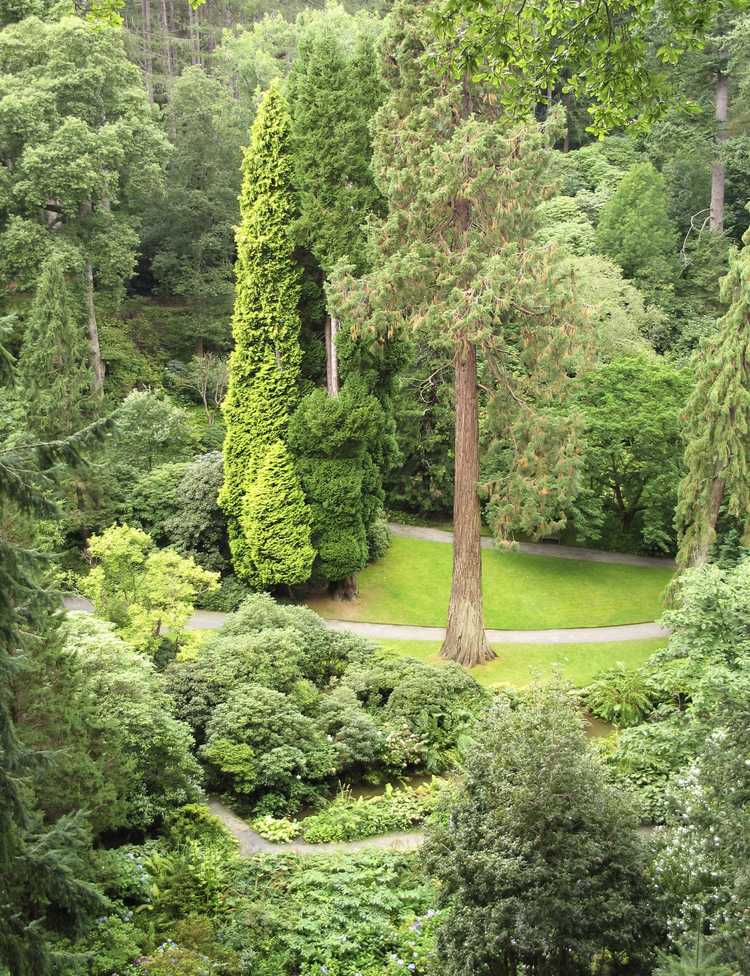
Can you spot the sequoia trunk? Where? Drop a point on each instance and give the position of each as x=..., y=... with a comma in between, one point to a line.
x=718, y=174
x=95, y=353
x=465, y=640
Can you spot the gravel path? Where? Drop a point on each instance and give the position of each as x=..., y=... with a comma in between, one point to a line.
x=213, y=620
x=537, y=548
x=251, y=843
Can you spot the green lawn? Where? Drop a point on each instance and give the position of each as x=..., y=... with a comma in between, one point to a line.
x=411, y=585
x=520, y=664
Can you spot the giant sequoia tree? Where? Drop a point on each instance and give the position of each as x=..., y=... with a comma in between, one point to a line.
x=717, y=456
x=264, y=366
x=456, y=257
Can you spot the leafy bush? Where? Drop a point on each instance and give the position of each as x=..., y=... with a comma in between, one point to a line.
x=349, y=818
x=621, y=695
x=378, y=539
x=229, y=596
x=280, y=830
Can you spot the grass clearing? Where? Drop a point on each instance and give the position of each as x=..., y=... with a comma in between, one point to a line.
x=518, y=665
x=411, y=585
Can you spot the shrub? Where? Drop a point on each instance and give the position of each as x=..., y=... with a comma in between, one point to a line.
x=280, y=830
x=347, y=818
x=378, y=538
x=621, y=695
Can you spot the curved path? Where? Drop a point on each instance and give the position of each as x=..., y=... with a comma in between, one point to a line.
x=537, y=548
x=213, y=620
x=251, y=843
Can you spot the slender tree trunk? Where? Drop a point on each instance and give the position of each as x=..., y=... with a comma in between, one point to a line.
x=166, y=40
x=708, y=535
x=332, y=366
x=95, y=353
x=346, y=588
x=148, y=52
x=465, y=640
x=718, y=173
x=195, y=42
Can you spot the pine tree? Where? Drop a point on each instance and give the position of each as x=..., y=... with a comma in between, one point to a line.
x=39, y=868
x=276, y=521
x=717, y=456
x=53, y=376
x=264, y=366
x=456, y=258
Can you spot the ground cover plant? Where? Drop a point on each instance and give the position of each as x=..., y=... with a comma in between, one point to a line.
x=410, y=585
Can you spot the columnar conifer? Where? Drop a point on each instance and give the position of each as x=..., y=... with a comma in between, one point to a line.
x=264, y=366
x=53, y=375
x=717, y=456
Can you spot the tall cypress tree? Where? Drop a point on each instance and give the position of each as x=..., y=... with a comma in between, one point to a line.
x=717, y=456
x=264, y=366
x=457, y=258
x=53, y=376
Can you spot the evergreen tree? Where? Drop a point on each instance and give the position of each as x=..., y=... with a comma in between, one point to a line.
x=457, y=257
x=39, y=868
x=277, y=522
x=264, y=366
x=52, y=375
x=330, y=437
x=717, y=456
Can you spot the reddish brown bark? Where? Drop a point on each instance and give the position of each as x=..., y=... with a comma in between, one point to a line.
x=465, y=640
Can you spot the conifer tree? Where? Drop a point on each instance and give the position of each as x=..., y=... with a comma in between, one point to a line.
x=277, y=522
x=456, y=257
x=53, y=375
x=264, y=366
x=40, y=869
x=717, y=456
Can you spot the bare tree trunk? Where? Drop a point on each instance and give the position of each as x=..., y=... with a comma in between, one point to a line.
x=465, y=640
x=700, y=553
x=332, y=366
x=148, y=53
x=166, y=40
x=95, y=353
x=195, y=41
x=718, y=173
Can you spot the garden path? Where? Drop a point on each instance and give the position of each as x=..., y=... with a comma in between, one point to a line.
x=251, y=843
x=537, y=548
x=213, y=620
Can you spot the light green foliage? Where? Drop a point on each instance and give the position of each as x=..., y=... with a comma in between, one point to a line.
x=128, y=760
x=264, y=366
x=279, y=830
x=148, y=593
x=351, y=818
x=276, y=522
x=599, y=52
x=331, y=437
x=189, y=230
x=544, y=810
x=621, y=321
x=565, y=224
x=149, y=430
x=717, y=455
x=632, y=444
x=53, y=376
x=81, y=141
x=636, y=231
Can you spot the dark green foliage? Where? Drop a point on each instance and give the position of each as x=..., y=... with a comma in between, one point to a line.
x=53, y=376
x=264, y=366
x=333, y=94
x=632, y=448
x=153, y=499
x=276, y=522
x=540, y=862
x=198, y=528
x=331, y=437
